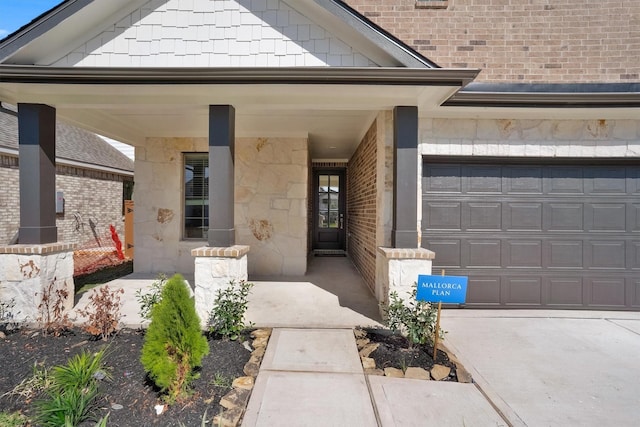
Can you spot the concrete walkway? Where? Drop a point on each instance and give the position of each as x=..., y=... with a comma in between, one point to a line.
x=313, y=377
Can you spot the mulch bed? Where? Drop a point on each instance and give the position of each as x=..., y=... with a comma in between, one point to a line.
x=129, y=385
x=395, y=351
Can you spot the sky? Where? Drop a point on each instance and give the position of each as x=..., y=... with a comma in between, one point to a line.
x=16, y=13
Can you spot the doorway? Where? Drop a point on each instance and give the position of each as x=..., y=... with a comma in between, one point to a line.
x=329, y=205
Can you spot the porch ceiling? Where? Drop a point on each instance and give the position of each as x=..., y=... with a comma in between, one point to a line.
x=334, y=115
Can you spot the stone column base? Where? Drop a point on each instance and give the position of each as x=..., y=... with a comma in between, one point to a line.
x=215, y=268
x=27, y=271
x=399, y=270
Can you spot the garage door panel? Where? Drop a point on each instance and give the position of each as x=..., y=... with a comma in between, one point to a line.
x=523, y=216
x=635, y=217
x=523, y=253
x=606, y=254
x=560, y=235
x=565, y=291
x=448, y=252
x=634, y=285
x=484, y=216
x=564, y=180
x=522, y=180
x=605, y=180
x=634, y=252
x=606, y=217
x=482, y=253
x=483, y=290
x=443, y=178
x=523, y=291
x=483, y=179
x=564, y=217
x=443, y=216
x=607, y=292
x=565, y=253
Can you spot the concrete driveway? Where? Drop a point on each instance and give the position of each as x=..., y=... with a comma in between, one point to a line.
x=552, y=368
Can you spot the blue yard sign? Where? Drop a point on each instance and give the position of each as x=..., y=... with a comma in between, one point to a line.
x=444, y=289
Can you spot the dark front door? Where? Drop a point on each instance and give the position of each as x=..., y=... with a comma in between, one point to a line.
x=329, y=209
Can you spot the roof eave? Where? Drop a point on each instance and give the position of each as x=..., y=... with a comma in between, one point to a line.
x=25, y=74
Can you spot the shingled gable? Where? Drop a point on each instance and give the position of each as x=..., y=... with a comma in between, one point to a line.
x=73, y=144
x=203, y=33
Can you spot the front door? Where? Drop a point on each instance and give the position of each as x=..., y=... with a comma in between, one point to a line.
x=329, y=209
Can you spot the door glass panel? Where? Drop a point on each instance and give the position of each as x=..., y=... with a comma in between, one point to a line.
x=328, y=201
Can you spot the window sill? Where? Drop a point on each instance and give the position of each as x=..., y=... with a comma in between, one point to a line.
x=432, y=4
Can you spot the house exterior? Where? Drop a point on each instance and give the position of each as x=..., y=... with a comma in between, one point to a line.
x=498, y=141
x=91, y=177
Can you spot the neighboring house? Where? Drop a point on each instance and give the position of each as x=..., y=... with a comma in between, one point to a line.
x=91, y=176
x=504, y=137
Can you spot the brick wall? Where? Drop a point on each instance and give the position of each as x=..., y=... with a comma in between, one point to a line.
x=91, y=195
x=361, y=207
x=520, y=40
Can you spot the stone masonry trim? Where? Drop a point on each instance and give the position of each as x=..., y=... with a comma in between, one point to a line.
x=235, y=251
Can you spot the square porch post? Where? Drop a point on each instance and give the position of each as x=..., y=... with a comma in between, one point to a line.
x=404, y=233
x=37, y=155
x=221, y=175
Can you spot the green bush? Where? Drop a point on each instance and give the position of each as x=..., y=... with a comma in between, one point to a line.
x=227, y=316
x=414, y=319
x=149, y=299
x=72, y=393
x=174, y=344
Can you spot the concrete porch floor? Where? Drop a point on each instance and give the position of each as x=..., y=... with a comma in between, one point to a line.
x=331, y=295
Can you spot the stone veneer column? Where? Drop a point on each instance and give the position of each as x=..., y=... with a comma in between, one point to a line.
x=401, y=268
x=214, y=269
x=26, y=271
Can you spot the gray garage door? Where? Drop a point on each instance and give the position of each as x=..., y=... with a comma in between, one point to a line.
x=543, y=235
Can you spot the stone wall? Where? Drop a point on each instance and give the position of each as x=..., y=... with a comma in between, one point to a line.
x=270, y=210
x=520, y=40
x=530, y=138
x=90, y=197
x=361, y=206
x=271, y=203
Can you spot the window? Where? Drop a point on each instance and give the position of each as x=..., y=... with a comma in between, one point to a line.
x=196, y=195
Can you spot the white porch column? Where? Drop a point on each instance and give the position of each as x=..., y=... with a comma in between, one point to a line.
x=27, y=271
x=400, y=270
x=214, y=269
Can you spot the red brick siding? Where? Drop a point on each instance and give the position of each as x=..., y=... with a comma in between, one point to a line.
x=94, y=195
x=361, y=207
x=521, y=40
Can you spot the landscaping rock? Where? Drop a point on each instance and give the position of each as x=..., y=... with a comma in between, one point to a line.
x=252, y=367
x=368, y=349
x=377, y=372
x=260, y=333
x=260, y=342
x=440, y=372
x=359, y=333
x=368, y=363
x=229, y=418
x=237, y=397
x=245, y=383
x=417, y=373
x=259, y=352
x=361, y=342
x=393, y=373
x=463, y=375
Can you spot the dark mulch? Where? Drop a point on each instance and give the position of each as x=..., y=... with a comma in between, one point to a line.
x=395, y=351
x=129, y=385
x=103, y=275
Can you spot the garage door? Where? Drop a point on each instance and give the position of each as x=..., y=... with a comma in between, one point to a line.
x=536, y=235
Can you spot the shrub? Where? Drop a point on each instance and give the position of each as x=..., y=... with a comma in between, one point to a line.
x=72, y=394
x=414, y=319
x=148, y=300
x=103, y=312
x=174, y=344
x=227, y=316
x=51, y=311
